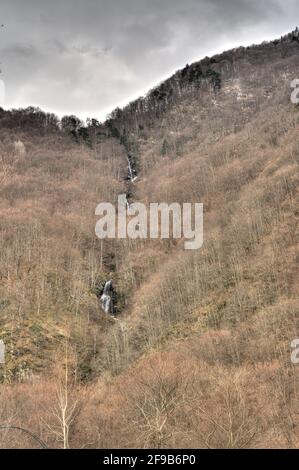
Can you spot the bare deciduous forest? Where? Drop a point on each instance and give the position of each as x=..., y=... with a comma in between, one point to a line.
x=198, y=353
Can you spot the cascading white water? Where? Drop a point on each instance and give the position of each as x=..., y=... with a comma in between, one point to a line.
x=132, y=174
x=106, y=298
x=128, y=206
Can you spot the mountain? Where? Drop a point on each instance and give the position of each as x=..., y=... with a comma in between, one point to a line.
x=198, y=351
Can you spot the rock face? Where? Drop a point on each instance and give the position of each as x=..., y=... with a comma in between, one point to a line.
x=106, y=299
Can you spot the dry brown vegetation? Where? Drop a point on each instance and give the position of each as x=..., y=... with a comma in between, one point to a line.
x=199, y=355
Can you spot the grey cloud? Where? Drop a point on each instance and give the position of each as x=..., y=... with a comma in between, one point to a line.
x=86, y=57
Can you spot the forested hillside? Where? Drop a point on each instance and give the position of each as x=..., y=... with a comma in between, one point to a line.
x=197, y=351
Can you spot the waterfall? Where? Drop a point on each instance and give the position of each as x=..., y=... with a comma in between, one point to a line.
x=106, y=298
x=128, y=206
x=132, y=176
x=127, y=203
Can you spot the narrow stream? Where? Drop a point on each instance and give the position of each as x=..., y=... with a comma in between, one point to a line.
x=106, y=299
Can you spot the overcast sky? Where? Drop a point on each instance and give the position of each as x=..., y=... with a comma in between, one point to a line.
x=87, y=57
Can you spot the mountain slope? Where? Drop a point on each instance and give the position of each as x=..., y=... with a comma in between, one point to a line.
x=199, y=353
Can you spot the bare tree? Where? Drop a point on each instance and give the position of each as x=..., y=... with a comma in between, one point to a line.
x=66, y=408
